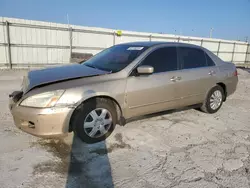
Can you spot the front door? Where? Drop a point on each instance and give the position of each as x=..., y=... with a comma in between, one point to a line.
x=156, y=92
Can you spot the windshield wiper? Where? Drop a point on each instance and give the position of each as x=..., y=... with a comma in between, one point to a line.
x=92, y=66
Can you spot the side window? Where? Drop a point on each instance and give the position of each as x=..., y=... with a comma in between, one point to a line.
x=163, y=59
x=192, y=58
x=210, y=62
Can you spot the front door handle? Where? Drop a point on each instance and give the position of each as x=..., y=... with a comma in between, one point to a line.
x=173, y=79
x=211, y=73
x=178, y=78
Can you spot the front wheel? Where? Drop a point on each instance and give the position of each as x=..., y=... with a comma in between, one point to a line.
x=95, y=120
x=213, y=100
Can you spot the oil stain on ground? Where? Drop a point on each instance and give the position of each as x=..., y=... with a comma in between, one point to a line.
x=56, y=146
x=62, y=152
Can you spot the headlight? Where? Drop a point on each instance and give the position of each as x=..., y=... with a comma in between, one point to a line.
x=43, y=100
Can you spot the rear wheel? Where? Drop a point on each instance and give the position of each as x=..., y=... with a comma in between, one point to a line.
x=213, y=100
x=95, y=120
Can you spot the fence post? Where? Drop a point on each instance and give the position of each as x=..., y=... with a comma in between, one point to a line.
x=150, y=38
x=247, y=53
x=179, y=39
x=114, y=38
x=233, y=53
x=70, y=44
x=8, y=43
x=218, y=50
x=201, y=42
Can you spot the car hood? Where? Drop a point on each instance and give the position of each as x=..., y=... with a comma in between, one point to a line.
x=50, y=75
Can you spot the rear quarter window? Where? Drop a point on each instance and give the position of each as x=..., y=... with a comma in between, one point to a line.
x=210, y=62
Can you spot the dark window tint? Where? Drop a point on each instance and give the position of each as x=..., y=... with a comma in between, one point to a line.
x=192, y=58
x=209, y=61
x=163, y=59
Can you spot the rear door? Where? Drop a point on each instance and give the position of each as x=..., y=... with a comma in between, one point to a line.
x=198, y=75
x=151, y=93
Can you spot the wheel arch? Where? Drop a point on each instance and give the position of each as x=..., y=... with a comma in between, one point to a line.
x=224, y=87
x=116, y=103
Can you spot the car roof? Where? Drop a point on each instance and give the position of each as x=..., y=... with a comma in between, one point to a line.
x=156, y=43
x=151, y=44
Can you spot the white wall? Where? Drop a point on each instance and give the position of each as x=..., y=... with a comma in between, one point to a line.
x=42, y=43
x=38, y=53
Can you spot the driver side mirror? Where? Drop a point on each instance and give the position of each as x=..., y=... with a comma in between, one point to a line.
x=145, y=69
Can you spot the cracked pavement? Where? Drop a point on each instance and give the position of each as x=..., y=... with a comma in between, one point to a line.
x=174, y=149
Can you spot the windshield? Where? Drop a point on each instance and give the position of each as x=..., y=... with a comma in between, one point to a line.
x=115, y=58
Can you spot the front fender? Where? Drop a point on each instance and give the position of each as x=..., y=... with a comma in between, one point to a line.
x=76, y=96
x=89, y=94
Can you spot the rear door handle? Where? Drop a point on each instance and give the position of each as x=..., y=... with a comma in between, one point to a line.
x=174, y=78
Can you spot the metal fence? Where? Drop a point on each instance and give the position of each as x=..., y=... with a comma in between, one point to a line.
x=25, y=43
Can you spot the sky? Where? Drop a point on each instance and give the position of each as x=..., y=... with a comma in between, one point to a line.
x=230, y=19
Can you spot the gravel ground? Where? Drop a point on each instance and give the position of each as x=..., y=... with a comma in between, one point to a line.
x=180, y=149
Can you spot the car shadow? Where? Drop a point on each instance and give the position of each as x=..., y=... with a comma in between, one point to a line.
x=243, y=68
x=89, y=166
x=196, y=107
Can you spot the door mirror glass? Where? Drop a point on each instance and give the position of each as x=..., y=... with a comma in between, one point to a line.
x=145, y=69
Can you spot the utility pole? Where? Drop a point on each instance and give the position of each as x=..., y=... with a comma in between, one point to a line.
x=246, y=38
x=70, y=39
x=68, y=19
x=211, y=32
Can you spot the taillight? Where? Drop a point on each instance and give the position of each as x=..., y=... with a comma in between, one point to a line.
x=235, y=72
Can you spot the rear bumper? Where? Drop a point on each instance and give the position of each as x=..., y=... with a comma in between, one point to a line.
x=47, y=122
x=232, y=85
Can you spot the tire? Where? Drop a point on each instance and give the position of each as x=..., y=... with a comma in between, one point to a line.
x=207, y=105
x=88, y=119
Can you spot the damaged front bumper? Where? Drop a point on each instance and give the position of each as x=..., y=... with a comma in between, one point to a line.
x=41, y=122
